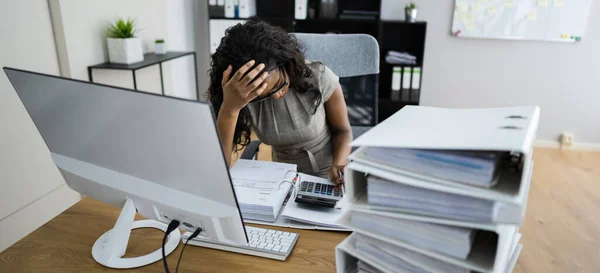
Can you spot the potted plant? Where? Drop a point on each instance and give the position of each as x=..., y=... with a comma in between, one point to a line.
x=123, y=46
x=160, y=47
x=411, y=12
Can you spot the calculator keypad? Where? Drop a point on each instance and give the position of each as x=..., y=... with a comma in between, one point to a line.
x=317, y=188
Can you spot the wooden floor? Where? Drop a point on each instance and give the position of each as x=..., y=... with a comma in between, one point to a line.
x=561, y=231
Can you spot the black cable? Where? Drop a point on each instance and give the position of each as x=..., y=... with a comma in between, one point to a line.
x=172, y=226
x=194, y=235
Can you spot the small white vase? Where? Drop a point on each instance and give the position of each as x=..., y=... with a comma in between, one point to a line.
x=160, y=48
x=125, y=51
x=410, y=15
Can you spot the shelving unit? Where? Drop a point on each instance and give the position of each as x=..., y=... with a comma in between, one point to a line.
x=150, y=59
x=392, y=35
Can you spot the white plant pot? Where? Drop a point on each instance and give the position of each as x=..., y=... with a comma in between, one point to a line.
x=125, y=51
x=160, y=48
x=410, y=15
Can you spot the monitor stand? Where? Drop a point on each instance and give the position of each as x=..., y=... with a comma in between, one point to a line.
x=111, y=246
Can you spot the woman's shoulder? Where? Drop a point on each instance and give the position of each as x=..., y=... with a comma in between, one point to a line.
x=316, y=66
x=326, y=79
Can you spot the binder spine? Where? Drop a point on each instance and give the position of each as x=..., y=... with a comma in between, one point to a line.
x=300, y=10
x=508, y=213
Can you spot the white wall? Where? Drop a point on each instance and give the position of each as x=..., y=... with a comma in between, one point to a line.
x=187, y=25
x=563, y=79
x=81, y=38
x=181, y=29
x=80, y=29
x=32, y=190
x=202, y=45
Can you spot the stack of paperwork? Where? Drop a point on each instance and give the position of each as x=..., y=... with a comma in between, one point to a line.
x=439, y=190
x=259, y=188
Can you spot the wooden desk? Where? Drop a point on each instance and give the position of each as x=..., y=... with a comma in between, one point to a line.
x=561, y=232
x=65, y=243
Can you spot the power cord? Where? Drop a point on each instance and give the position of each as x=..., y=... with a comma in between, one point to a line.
x=172, y=226
x=194, y=235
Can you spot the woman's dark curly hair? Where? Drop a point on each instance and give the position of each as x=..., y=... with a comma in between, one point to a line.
x=264, y=43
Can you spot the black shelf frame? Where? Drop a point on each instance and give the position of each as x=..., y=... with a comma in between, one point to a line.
x=150, y=59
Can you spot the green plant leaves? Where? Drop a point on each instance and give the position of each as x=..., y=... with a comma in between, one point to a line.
x=411, y=5
x=122, y=29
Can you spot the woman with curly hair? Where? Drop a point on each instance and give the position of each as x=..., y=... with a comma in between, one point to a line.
x=260, y=80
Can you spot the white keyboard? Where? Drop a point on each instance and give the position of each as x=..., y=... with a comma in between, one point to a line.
x=267, y=243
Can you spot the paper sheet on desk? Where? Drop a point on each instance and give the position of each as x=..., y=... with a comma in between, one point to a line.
x=316, y=215
x=257, y=185
x=260, y=175
x=287, y=223
x=254, y=197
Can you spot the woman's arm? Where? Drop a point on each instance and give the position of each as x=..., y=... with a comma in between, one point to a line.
x=226, y=122
x=238, y=91
x=337, y=118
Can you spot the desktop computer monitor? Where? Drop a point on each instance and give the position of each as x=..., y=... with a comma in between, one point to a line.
x=160, y=155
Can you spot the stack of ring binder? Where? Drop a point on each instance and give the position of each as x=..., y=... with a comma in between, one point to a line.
x=439, y=190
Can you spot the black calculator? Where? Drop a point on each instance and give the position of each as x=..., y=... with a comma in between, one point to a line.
x=318, y=194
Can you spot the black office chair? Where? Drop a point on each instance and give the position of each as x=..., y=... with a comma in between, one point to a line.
x=355, y=59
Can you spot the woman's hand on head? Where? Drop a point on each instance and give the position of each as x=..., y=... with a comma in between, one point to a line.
x=239, y=90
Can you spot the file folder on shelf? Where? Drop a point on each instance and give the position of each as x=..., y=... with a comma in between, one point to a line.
x=301, y=9
x=247, y=8
x=507, y=210
x=230, y=6
x=490, y=253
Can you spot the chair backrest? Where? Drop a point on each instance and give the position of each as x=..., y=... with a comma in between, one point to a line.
x=355, y=59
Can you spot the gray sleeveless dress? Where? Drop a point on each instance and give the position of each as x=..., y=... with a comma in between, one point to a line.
x=296, y=133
